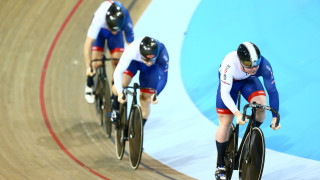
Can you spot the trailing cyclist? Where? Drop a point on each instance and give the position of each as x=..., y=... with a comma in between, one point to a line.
x=239, y=71
x=109, y=22
x=151, y=58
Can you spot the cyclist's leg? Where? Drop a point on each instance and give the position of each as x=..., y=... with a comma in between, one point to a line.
x=97, y=52
x=116, y=47
x=149, y=77
x=225, y=119
x=253, y=91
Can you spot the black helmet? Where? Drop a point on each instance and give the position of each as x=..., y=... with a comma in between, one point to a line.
x=249, y=54
x=149, y=48
x=115, y=17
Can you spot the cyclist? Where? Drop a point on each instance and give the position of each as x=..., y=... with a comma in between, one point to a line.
x=108, y=23
x=151, y=58
x=239, y=71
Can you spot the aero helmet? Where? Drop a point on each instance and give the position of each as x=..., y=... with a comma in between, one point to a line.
x=115, y=17
x=249, y=54
x=149, y=49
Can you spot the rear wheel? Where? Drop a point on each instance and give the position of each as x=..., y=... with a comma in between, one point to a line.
x=252, y=160
x=120, y=131
x=229, y=159
x=135, y=134
x=105, y=115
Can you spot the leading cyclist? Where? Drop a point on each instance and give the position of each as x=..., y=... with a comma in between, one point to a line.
x=151, y=58
x=110, y=20
x=239, y=71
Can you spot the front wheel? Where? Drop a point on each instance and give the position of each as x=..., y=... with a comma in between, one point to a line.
x=135, y=135
x=229, y=159
x=252, y=156
x=120, y=136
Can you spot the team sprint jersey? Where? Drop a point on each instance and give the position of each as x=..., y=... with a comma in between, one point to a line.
x=230, y=70
x=131, y=54
x=99, y=21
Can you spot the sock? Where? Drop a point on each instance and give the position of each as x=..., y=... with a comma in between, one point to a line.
x=144, y=122
x=89, y=81
x=257, y=124
x=221, y=147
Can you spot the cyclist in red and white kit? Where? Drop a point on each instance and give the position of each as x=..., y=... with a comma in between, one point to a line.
x=151, y=58
x=109, y=22
x=239, y=71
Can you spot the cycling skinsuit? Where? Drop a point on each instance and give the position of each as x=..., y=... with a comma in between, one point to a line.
x=232, y=80
x=154, y=76
x=99, y=30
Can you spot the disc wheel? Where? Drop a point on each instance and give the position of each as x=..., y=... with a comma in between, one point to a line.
x=135, y=135
x=120, y=132
x=229, y=159
x=252, y=160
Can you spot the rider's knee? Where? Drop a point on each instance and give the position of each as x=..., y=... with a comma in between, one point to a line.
x=145, y=97
x=259, y=100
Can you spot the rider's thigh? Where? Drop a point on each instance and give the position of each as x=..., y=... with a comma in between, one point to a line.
x=97, y=55
x=261, y=113
x=225, y=119
x=259, y=100
x=145, y=96
x=115, y=55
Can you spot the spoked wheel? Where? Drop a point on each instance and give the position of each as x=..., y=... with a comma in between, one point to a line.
x=252, y=160
x=105, y=115
x=135, y=133
x=229, y=159
x=120, y=131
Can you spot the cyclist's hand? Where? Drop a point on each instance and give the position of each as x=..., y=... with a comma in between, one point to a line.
x=239, y=115
x=156, y=101
x=120, y=100
x=89, y=73
x=273, y=125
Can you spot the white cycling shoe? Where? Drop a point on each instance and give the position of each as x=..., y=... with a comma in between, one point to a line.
x=89, y=96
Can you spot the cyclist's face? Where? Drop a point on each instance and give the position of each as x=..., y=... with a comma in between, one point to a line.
x=148, y=63
x=114, y=32
x=251, y=71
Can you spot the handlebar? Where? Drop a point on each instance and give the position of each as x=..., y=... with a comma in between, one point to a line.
x=259, y=106
x=102, y=60
x=135, y=87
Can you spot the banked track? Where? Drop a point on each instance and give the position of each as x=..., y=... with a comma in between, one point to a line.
x=47, y=130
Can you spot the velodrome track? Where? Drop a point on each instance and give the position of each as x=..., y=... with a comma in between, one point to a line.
x=49, y=132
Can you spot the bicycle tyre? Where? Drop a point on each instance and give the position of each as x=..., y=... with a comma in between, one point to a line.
x=120, y=131
x=229, y=158
x=135, y=135
x=97, y=93
x=252, y=163
x=105, y=114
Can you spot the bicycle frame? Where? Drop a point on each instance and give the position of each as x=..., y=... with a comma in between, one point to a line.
x=250, y=126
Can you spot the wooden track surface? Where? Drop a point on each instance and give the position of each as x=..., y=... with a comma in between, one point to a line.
x=47, y=130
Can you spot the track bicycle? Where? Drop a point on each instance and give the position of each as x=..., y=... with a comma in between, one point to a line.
x=130, y=128
x=249, y=157
x=102, y=94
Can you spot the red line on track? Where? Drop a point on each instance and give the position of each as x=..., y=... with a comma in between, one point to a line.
x=42, y=101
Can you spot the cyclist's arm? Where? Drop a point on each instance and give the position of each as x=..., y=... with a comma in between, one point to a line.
x=226, y=81
x=128, y=55
x=270, y=85
x=163, y=71
x=87, y=50
x=128, y=28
